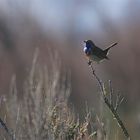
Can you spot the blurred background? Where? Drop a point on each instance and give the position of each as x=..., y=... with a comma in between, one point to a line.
x=62, y=26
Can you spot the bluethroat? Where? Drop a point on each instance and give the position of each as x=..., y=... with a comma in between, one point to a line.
x=95, y=53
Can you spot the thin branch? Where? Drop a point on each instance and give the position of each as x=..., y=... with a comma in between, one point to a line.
x=119, y=103
x=110, y=105
x=111, y=92
x=6, y=129
x=99, y=81
x=119, y=100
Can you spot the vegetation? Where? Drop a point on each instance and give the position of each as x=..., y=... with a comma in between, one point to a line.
x=43, y=112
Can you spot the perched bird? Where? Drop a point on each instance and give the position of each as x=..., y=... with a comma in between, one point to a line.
x=95, y=53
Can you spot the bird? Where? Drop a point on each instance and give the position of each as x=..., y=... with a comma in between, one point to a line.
x=95, y=53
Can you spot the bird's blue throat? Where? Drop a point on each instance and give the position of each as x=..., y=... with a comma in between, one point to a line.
x=87, y=48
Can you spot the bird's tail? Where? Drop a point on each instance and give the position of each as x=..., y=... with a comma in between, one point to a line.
x=112, y=45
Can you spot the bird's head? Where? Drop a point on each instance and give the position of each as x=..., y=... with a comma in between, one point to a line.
x=88, y=46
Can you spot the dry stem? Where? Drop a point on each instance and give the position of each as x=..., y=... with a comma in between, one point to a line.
x=6, y=129
x=110, y=104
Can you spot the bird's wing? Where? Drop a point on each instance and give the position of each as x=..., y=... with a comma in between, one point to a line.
x=98, y=52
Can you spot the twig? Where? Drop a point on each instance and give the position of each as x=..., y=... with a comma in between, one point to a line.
x=110, y=105
x=119, y=100
x=111, y=91
x=6, y=129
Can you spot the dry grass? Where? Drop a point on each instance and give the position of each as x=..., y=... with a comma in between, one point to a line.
x=43, y=112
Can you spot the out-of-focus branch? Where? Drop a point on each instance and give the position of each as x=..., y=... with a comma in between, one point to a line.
x=6, y=129
x=110, y=105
